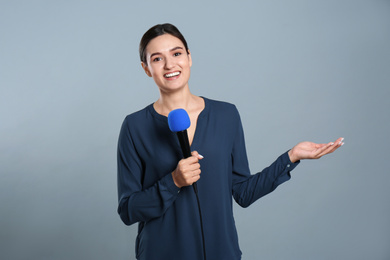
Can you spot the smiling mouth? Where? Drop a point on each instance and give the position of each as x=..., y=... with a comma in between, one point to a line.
x=173, y=74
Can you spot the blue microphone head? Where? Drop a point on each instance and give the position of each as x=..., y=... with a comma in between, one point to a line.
x=178, y=120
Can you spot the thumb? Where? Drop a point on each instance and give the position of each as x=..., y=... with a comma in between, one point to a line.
x=197, y=155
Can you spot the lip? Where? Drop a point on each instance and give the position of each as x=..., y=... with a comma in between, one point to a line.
x=172, y=78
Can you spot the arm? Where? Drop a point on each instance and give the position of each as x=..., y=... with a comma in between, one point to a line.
x=246, y=191
x=247, y=188
x=136, y=203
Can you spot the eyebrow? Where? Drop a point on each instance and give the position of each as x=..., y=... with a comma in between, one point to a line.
x=159, y=53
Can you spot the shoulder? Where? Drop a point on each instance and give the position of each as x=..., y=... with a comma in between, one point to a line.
x=138, y=114
x=219, y=105
x=222, y=108
x=137, y=118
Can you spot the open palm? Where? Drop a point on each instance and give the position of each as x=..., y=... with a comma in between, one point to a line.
x=310, y=150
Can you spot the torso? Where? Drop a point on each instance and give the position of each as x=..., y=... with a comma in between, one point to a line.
x=158, y=152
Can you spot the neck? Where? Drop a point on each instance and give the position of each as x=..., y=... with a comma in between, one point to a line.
x=170, y=101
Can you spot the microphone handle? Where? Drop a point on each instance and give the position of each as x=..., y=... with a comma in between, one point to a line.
x=184, y=143
x=185, y=148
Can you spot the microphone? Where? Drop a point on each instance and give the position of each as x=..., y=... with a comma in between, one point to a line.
x=179, y=122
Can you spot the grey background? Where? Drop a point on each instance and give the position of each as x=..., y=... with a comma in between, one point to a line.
x=297, y=70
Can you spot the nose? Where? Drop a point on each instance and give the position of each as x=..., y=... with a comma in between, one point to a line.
x=169, y=63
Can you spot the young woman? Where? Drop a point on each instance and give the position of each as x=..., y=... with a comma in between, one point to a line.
x=154, y=182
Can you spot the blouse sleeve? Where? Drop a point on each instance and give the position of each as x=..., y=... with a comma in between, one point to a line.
x=135, y=203
x=248, y=188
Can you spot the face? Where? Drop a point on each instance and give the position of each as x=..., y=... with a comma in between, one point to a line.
x=168, y=63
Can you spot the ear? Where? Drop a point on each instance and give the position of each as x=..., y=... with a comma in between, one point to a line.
x=146, y=69
x=189, y=58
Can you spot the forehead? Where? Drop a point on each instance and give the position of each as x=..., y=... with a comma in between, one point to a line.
x=163, y=43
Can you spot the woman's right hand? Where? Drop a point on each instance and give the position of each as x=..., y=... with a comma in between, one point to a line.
x=187, y=171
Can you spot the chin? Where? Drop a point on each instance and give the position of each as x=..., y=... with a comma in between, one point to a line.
x=171, y=89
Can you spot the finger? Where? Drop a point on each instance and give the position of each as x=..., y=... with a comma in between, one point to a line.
x=318, y=146
x=338, y=143
x=191, y=160
x=330, y=149
x=196, y=173
x=192, y=176
x=323, y=149
x=188, y=169
x=334, y=147
x=196, y=176
x=193, y=167
x=339, y=140
x=197, y=155
x=193, y=180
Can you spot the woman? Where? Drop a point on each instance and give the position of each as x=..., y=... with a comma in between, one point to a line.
x=153, y=180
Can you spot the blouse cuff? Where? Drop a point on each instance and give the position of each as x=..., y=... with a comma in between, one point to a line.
x=168, y=182
x=286, y=161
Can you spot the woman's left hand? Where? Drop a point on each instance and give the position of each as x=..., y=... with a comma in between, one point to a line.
x=309, y=150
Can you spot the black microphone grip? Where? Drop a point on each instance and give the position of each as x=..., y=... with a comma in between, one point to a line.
x=185, y=148
x=184, y=143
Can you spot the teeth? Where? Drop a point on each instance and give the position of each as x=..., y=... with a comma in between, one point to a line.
x=173, y=74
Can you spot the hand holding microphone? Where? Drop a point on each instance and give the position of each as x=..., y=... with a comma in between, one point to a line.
x=187, y=171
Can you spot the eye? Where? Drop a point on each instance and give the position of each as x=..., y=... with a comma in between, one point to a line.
x=157, y=59
x=177, y=54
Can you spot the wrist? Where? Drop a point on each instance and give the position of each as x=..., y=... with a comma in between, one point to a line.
x=292, y=157
x=174, y=180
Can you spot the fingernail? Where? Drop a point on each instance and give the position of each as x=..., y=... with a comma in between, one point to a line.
x=332, y=144
x=342, y=139
x=342, y=144
x=201, y=156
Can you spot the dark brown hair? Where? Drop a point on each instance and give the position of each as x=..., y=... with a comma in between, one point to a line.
x=158, y=30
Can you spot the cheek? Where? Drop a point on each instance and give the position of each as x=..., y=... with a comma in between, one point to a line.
x=185, y=64
x=154, y=70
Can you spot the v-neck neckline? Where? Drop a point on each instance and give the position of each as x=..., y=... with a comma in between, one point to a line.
x=202, y=114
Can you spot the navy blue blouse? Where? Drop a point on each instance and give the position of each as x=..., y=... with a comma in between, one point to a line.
x=168, y=217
